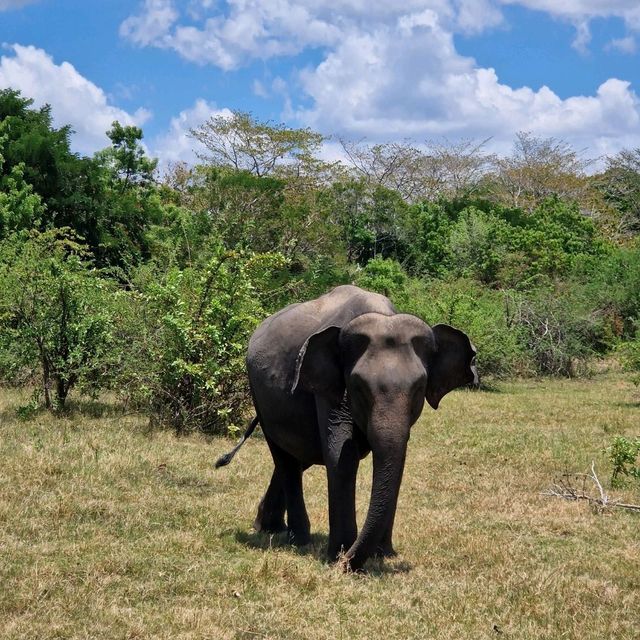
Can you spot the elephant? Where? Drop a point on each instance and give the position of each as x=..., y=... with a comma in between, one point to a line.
x=332, y=380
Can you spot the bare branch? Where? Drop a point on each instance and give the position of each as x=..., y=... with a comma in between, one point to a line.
x=564, y=488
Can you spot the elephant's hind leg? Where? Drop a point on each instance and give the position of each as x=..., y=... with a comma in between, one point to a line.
x=290, y=471
x=270, y=516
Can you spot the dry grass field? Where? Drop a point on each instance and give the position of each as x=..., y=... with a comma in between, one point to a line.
x=108, y=531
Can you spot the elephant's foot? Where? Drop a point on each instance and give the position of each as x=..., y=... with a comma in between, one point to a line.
x=268, y=521
x=299, y=538
x=269, y=527
x=337, y=549
x=385, y=551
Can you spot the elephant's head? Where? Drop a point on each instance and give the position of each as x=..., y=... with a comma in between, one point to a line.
x=388, y=365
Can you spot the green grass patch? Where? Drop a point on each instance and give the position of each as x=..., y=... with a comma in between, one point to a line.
x=109, y=531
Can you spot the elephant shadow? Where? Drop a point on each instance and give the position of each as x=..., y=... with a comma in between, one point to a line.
x=317, y=549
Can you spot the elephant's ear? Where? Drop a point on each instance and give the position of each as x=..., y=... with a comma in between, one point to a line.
x=451, y=365
x=318, y=365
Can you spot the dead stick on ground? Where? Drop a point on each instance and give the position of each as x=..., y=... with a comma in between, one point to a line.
x=565, y=489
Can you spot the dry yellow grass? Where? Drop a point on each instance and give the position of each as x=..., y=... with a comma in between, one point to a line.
x=110, y=532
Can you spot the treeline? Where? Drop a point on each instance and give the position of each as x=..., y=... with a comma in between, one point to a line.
x=113, y=277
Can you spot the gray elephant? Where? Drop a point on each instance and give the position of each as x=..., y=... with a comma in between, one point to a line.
x=333, y=379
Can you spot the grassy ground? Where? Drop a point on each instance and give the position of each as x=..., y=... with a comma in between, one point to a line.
x=107, y=531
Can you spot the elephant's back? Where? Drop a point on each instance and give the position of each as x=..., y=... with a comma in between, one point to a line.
x=274, y=346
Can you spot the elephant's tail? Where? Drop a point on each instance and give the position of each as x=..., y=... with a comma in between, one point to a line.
x=228, y=457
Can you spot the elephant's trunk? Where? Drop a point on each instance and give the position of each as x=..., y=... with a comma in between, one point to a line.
x=389, y=452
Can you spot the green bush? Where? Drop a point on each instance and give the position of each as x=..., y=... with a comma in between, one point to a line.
x=557, y=332
x=477, y=245
x=56, y=314
x=630, y=355
x=385, y=276
x=623, y=454
x=480, y=312
x=191, y=333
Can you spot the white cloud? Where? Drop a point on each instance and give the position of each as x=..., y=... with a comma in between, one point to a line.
x=74, y=99
x=231, y=33
x=583, y=37
x=176, y=145
x=391, y=70
x=581, y=12
x=577, y=11
x=259, y=89
x=623, y=45
x=371, y=86
x=152, y=24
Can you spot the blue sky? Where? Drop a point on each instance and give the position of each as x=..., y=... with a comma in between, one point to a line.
x=422, y=69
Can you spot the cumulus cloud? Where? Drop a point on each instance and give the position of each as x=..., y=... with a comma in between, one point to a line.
x=75, y=100
x=231, y=33
x=391, y=70
x=580, y=13
x=152, y=24
x=409, y=81
x=250, y=29
x=176, y=145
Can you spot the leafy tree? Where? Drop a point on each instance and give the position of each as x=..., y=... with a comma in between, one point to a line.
x=126, y=158
x=429, y=226
x=620, y=184
x=54, y=313
x=537, y=169
x=477, y=245
x=20, y=207
x=241, y=142
x=30, y=140
x=372, y=219
x=550, y=240
x=109, y=200
x=127, y=202
x=384, y=276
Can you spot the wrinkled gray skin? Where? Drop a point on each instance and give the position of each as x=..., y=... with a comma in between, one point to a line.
x=333, y=379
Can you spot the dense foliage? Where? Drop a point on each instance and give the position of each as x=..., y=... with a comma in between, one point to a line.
x=112, y=277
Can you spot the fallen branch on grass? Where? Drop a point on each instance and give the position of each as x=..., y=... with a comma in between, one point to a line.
x=565, y=488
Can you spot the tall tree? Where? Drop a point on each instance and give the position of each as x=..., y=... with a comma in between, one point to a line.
x=539, y=168
x=241, y=142
x=620, y=184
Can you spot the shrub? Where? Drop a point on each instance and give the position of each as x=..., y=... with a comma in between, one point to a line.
x=481, y=313
x=55, y=314
x=557, y=334
x=623, y=454
x=477, y=245
x=385, y=276
x=188, y=369
x=630, y=356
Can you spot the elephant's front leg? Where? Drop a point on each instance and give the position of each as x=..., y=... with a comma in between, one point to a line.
x=385, y=548
x=341, y=457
